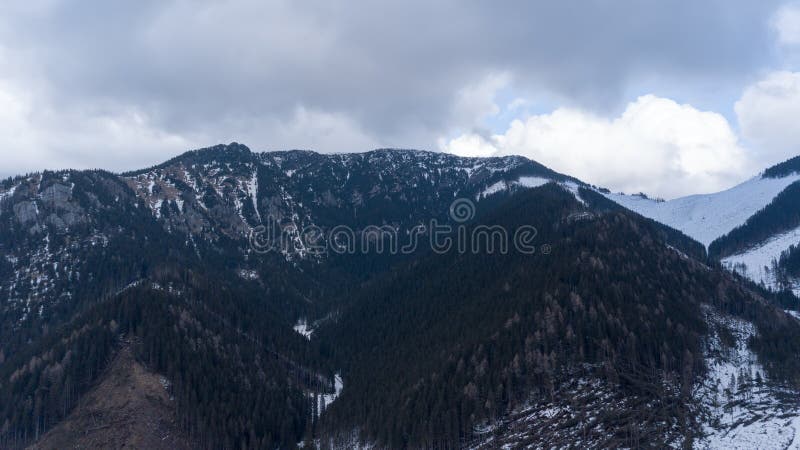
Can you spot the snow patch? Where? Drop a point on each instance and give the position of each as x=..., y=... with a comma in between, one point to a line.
x=573, y=188
x=303, y=328
x=249, y=275
x=156, y=207
x=493, y=189
x=756, y=263
x=8, y=193
x=502, y=185
x=532, y=182
x=325, y=400
x=252, y=189
x=741, y=407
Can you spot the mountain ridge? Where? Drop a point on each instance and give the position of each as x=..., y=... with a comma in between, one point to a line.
x=165, y=255
x=750, y=227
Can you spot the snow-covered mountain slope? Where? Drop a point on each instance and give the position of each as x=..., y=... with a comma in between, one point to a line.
x=757, y=263
x=737, y=405
x=706, y=217
x=740, y=408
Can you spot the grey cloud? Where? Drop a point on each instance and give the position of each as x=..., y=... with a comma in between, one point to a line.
x=202, y=68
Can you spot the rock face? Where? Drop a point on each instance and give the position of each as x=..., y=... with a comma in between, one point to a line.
x=49, y=224
x=26, y=212
x=53, y=206
x=56, y=195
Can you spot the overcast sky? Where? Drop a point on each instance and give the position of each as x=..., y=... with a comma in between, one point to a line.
x=666, y=97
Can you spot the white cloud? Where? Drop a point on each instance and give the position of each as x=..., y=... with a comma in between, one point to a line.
x=282, y=74
x=476, y=102
x=469, y=145
x=307, y=128
x=656, y=146
x=35, y=136
x=786, y=23
x=767, y=114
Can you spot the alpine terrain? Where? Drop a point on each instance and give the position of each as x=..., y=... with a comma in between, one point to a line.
x=394, y=299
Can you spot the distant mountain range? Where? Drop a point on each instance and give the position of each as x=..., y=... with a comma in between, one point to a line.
x=218, y=284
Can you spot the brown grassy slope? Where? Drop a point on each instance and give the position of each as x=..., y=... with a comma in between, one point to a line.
x=129, y=408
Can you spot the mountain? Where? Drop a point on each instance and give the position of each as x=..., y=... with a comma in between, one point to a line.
x=707, y=217
x=277, y=302
x=53, y=224
x=84, y=250
x=748, y=227
x=563, y=349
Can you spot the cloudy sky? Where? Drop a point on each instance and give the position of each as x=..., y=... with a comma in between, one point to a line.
x=666, y=97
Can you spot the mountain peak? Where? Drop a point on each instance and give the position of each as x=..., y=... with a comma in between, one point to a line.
x=232, y=149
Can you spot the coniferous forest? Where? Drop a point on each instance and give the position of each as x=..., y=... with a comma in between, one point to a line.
x=609, y=319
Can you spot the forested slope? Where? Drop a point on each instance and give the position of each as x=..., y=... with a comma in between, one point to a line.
x=449, y=342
